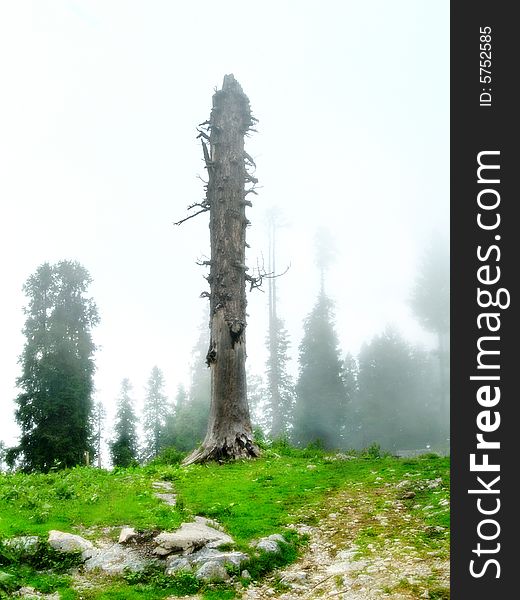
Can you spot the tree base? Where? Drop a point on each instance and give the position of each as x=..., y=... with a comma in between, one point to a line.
x=224, y=450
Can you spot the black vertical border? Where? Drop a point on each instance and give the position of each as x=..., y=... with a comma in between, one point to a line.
x=474, y=129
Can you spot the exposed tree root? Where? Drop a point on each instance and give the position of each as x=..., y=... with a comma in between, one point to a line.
x=242, y=447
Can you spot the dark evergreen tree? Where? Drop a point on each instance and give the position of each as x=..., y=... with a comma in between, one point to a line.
x=124, y=448
x=350, y=374
x=155, y=414
x=279, y=390
x=320, y=411
x=394, y=395
x=258, y=405
x=170, y=429
x=55, y=404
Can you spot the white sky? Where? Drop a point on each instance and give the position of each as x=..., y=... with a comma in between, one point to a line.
x=99, y=101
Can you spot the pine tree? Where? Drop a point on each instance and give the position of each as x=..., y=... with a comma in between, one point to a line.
x=55, y=404
x=280, y=387
x=124, y=448
x=350, y=374
x=192, y=409
x=258, y=405
x=431, y=304
x=394, y=394
x=155, y=414
x=320, y=411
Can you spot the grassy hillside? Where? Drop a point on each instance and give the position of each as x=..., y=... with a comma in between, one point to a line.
x=250, y=499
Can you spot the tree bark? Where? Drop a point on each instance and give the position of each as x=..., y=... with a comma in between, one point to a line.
x=229, y=434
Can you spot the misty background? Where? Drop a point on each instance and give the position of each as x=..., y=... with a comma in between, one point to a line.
x=98, y=157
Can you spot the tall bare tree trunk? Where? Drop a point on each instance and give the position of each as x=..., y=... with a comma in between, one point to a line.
x=229, y=434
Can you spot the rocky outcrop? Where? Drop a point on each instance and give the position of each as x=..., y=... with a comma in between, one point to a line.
x=115, y=558
x=190, y=537
x=193, y=547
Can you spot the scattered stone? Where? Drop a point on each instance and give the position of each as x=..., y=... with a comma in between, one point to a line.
x=189, y=538
x=403, y=483
x=31, y=594
x=294, y=577
x=408, y=495
x=434, y=483
x=212, y=571
x=341, y=456
x=68, y=542
x=311, y=467
x=245, y=574
x=128, y=534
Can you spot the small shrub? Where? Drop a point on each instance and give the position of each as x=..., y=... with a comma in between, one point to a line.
x=266, y=562
x=373, y=451
x=153, y=576
x=169, y=456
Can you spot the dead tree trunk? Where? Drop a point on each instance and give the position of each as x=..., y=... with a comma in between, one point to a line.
x=229, y=434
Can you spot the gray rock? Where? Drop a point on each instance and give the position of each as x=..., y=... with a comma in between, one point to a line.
x=245, y=574
x=68, y=542
x=212, y=571
x=271, y=543
x=25, y=545
x=174, y=565
x=190, y=537
x=223, y=558
x=277, y=537
x=268, y=546
x=114, y=559
x=127, y=535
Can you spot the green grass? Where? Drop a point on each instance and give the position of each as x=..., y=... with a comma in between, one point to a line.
x=250, y=499
x=80, y=497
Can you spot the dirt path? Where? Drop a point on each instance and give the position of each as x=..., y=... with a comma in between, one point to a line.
x=393, y=566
